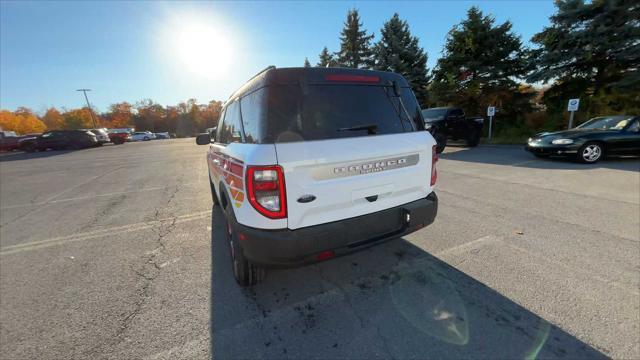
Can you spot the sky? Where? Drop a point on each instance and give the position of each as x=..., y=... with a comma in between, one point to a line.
x=173, y=51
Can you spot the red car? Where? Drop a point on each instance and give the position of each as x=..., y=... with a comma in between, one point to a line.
x=119, y=137
x=9, y=140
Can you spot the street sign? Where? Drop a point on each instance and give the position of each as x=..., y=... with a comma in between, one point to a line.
x=573, y=105
x=491, y=110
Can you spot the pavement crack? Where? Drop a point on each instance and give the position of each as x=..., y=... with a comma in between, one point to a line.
x=147, y=272
x=361, y=320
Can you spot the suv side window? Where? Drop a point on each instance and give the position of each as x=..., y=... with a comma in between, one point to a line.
x=220, y=125
x=410, y=102
x=635, y=126
x=231, y=130
x=456, y=112
x=252, y=106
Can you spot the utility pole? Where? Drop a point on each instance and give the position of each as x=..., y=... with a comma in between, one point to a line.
x=95, y=126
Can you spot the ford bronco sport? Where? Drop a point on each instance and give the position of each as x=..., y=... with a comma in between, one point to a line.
x=311, y=163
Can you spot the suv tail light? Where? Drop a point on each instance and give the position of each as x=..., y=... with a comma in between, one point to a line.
x=265, y=186
x=434, y=160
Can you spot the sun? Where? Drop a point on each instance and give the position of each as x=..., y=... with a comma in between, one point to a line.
x=202, y=49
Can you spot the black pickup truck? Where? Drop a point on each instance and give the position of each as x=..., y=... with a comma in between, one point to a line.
x=450, y=123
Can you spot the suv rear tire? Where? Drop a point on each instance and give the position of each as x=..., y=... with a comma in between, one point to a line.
x=245, y=272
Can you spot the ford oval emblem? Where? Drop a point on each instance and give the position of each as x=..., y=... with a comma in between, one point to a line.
x=306, y=198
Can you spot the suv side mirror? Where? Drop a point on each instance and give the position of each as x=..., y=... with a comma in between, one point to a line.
x=203, y=139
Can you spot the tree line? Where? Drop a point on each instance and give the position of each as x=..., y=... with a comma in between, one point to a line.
x=590, y=50
x=185, y=119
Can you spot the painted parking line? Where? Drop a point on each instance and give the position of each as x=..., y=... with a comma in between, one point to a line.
x=111, y=231
x=89, y=197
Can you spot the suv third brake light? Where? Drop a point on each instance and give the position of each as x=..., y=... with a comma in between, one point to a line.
x=352, y=78
x=266, y=190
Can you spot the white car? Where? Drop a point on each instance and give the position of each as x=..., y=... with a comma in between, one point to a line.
x=101, y=135
x=338, y=161
x=142, y=136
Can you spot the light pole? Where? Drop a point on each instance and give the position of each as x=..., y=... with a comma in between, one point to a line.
x=95, y=126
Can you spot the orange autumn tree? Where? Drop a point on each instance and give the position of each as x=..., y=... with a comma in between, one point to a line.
x=78, y=119
x=8, y=121
x=22, y=121
x=53, y=119
x=120, y=115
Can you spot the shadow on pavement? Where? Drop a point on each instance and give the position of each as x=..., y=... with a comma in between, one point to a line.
x=515, y=155
x=390, y=301
x=15, y=156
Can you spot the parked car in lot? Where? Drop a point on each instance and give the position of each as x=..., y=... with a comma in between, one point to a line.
x=451, y=123
x=9, y=140
x=162, y=135
x=338, y=161
x=120, y=135
x=119, y=138
x=101, y=135
x=60, y=139
x=142, y=136
x=591, y=141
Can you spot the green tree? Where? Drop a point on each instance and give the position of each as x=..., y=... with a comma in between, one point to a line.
x=355, y=44
x=591, y=50
x=398, y=51
x=480, y=66
x=326, y=58
x=307, y=63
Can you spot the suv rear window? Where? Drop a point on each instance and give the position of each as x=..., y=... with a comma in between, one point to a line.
x=319, y=112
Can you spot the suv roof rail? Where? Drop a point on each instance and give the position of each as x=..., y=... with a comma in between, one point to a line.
x=270, y=67
x=263, y=70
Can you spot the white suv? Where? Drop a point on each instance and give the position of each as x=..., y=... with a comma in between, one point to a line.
x=312, y=163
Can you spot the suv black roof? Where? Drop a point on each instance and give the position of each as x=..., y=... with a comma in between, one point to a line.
x=311, y=75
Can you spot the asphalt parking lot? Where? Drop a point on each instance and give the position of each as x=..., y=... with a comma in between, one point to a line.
x=106, y=253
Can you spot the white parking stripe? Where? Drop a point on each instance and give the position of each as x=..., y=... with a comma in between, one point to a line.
x=467, y=246
x=93, y=196
x=116, y=230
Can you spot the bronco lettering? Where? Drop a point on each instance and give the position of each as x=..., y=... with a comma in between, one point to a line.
x=368, y=167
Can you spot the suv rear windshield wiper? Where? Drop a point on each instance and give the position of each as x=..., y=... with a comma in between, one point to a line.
x=371, y=128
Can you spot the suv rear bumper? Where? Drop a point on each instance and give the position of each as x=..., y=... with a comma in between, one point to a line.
x=290, y=248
